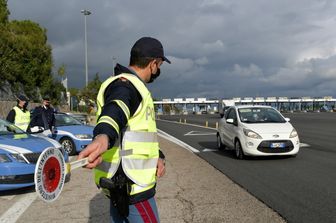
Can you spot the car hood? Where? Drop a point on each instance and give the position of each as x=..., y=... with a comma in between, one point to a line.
x=76, y=129
x=25, y=143
x=270, y=127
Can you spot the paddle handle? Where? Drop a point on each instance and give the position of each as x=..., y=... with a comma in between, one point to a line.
x=78, y=163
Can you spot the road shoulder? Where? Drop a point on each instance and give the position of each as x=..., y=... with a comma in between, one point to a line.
x=194, y=191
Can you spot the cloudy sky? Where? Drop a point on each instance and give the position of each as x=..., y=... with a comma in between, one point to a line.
x=218, y=48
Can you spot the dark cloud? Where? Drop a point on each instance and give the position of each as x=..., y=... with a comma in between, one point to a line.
x=218, y=48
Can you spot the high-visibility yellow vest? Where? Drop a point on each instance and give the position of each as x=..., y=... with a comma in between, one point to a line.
x=138, y=149
x=22, y=118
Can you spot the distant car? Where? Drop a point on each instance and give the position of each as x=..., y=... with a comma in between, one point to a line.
x=19, y=152
x=73, y=135
x=257, y=131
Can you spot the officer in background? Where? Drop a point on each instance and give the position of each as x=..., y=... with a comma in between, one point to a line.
x=43, y=115
x=125, y=152
x=19, y=115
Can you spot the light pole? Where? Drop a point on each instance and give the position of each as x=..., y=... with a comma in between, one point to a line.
x=86, y=12
x=113, y=64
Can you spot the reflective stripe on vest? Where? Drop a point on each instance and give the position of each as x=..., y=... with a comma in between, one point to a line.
x=139, y=149
x=134, y=161
x=124, y=107
x=140, y=137
x=109, y=121
x=22, y=118
x=135, y=189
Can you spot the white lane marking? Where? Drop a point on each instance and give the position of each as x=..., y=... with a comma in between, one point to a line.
x=186, y=124
x=199, y=133
x=302, y=145
x=177, y=141
x=209, y=150
x=14, y=212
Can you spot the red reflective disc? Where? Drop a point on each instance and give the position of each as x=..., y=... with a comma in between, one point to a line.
x=51, y=174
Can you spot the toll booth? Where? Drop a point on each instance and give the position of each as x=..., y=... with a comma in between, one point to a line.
x=204, y=105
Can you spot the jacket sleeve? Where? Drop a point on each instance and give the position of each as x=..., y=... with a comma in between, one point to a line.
x=53, y=119
x=121, y=101
x=36, y=118
x=11, y=116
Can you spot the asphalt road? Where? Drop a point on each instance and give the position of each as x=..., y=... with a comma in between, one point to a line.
x=300, y=189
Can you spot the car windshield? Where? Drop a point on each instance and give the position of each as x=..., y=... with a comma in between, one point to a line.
x=7, y=128
x=64, y=120
x=260, y=115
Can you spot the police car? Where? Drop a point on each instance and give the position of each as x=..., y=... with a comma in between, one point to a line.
x=19, y=152
x=71, y=133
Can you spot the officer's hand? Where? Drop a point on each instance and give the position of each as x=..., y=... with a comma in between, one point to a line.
x=161, y=169
x=94, y=150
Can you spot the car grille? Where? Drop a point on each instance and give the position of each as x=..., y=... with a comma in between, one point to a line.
x=265, y=146
x=19, y=179
x=32, y=157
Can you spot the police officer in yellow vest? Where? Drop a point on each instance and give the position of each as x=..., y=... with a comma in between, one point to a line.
x=125, y=152
x=19, y=115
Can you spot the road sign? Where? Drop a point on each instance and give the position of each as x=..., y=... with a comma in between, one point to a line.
x=50, y=173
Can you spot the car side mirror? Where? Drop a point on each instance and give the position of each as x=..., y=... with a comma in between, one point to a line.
x=230, y=121
x=36, y=129
x=287, y=119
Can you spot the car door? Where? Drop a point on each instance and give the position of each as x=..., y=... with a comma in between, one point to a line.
x=229, y=128
x=222, y=128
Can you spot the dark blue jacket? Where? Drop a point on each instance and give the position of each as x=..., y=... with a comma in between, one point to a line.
x=43, y=117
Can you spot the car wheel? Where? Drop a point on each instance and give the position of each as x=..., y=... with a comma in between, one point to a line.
x=68, y=145
x=220, y=145
x=239, y=150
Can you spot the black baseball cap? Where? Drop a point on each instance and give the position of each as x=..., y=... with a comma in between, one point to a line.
x=148, y=47
x=46, y=98
x=21, y=97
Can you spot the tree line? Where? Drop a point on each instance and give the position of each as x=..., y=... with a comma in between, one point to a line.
x=26, y=60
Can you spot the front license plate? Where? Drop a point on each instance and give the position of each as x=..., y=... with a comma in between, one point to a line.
x=276, y=145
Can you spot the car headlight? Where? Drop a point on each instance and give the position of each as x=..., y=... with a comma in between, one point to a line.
x=293, y=134
x=18, y=157
x=4, y=158
x=251, y=134
x=84, y=136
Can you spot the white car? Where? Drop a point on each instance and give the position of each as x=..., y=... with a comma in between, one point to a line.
x=257, y=131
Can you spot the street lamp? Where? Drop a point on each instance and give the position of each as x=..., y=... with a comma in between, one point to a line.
x=86, y=12
x=113, y=64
